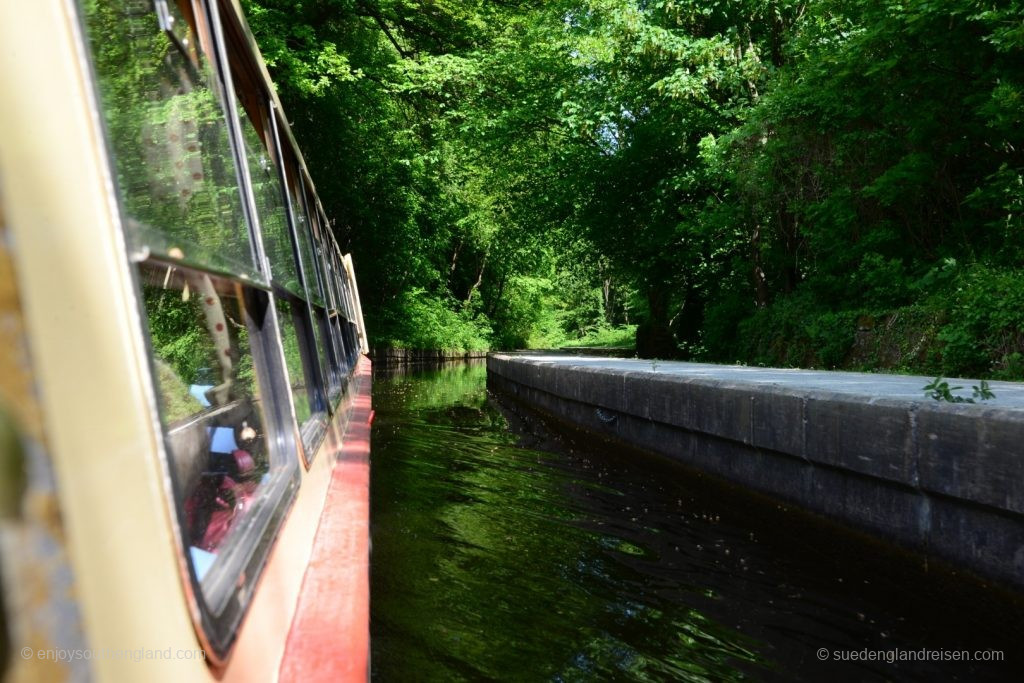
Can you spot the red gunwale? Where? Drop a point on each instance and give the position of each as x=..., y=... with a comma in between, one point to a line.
x=329, y=639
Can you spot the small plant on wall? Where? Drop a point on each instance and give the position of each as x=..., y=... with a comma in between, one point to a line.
x=939, y=390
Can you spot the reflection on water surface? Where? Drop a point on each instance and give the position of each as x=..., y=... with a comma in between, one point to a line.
x=534, y=558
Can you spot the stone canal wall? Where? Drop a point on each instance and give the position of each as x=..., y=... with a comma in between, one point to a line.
x=943, y=479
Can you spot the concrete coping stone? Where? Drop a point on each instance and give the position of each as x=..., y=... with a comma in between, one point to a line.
x=877, y=425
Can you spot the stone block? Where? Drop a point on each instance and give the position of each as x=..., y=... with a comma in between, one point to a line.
x=602, y=389
x=637, y=390
x=777, y=422
x=972, y=453
x=702, y=406
x=987, y=541
x=871, y=438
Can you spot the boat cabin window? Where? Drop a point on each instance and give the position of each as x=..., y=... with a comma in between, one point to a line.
x=210, y=400
x=163, y=106
x=345, y=307
x=333, y=313
x=351, y=329
x=340, y=315
x=304, y=233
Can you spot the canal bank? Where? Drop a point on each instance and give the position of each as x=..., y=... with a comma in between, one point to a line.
x=943, y=479
x=387, y=355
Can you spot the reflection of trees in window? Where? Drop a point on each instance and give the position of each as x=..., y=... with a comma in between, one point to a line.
x=209, y=398
x=169, y=135
x=201, y=338
x=287, y=314
x=302, y=229
x=270, y=207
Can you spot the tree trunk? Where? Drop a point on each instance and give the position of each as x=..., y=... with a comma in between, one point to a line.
x=455, y=260
x=606, y=290
x=760, y=284
x=653, y=337
x=476, y=285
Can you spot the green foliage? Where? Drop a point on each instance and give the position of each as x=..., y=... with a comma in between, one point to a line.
x=797, y=332
x=177, y=339
x=175, y=398
x=828, y=183
x=985, y=331
x=939, y=390
x=615, y=337
x=430, y=323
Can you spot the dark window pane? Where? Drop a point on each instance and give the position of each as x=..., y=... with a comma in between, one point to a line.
x=325, y=345
x=325, y=276
x=165, y=116
x=321, y=350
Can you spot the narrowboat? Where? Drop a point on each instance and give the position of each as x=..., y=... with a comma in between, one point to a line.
x=184, y=386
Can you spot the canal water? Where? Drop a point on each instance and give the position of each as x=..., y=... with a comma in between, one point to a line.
x=505, y=550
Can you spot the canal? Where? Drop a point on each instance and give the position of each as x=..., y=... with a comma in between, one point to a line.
x=506, y=550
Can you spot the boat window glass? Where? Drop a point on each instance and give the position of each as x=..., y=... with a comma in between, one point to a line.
x=332, y=269
x=343, y=312
x=321, y=349
x=312, y=283
x=335, y=315
x=317, y=276
x=351, y=330
x=220, y=436
x=300, y=359
x=335, y=349
x=326, y=347
x=268, y=194
x=303, y=231
x=317, y=248
x=163, y=107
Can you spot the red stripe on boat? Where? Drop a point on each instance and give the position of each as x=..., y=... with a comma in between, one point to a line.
x=330, y=635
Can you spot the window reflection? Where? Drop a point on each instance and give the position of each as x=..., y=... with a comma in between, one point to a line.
x=163, y=110
x=270, y=206
x=310, y=404
x=302, y=230
x=210, y=402
x=325, y=346
x=293, y=361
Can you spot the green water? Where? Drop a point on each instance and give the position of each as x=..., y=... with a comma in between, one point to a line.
x=569, y=561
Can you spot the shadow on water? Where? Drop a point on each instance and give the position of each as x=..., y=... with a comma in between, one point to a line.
x=534, y=554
